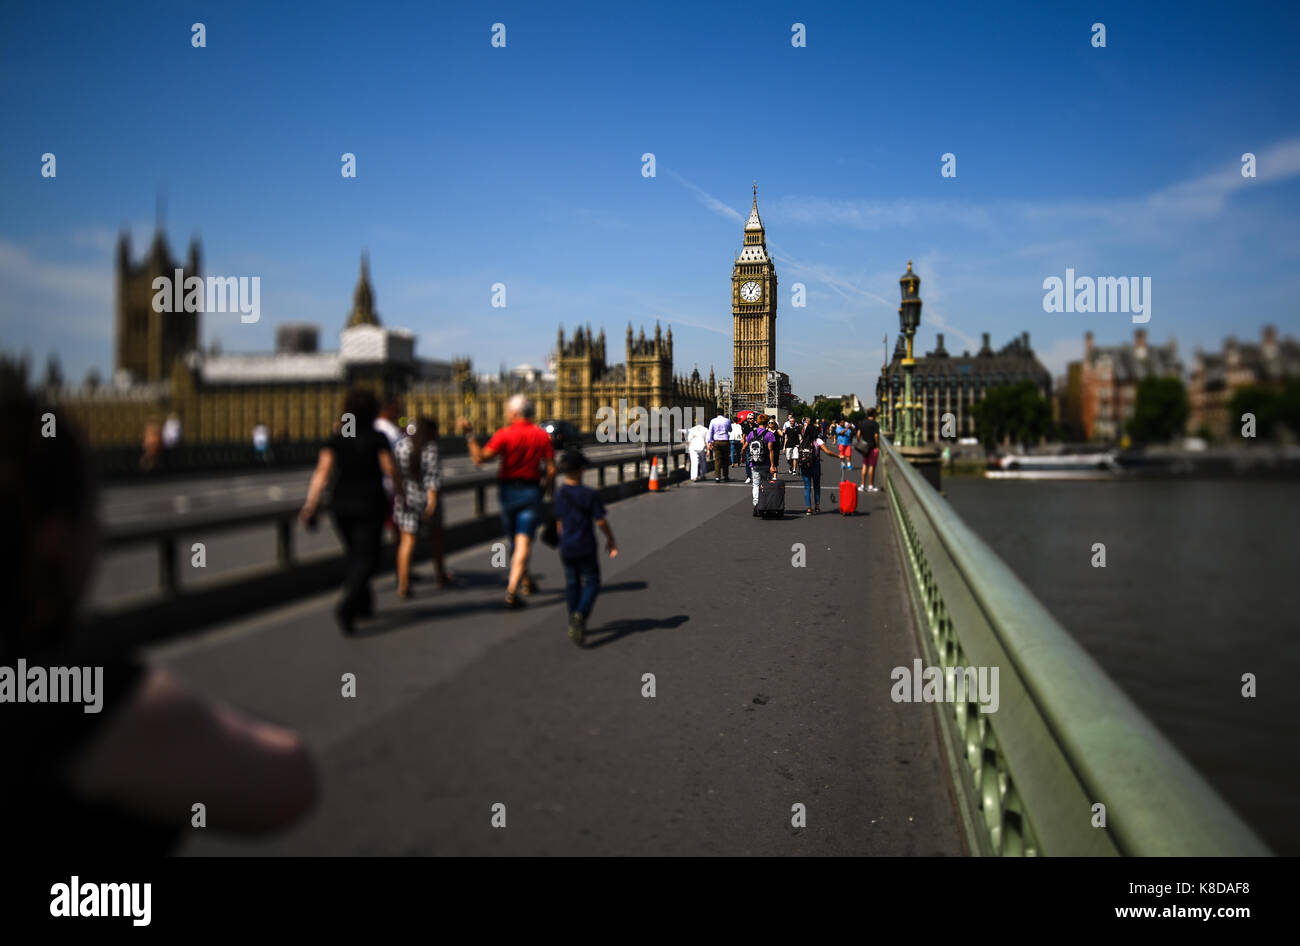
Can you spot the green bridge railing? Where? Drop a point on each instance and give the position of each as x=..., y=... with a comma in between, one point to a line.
x=1064, y=738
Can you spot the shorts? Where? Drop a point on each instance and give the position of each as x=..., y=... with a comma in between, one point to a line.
x=521, y=508
x=871, y=456
x=792, y=453
x=846, y=451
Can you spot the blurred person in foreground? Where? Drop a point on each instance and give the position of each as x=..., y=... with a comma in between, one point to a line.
x=357, y=458
x=111, y=767
x=523, y=448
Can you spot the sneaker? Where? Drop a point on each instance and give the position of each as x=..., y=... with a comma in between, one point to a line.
x=747, y=481
x=577, y=628
x=862, y=489
x=873, y=489
x=514, y=602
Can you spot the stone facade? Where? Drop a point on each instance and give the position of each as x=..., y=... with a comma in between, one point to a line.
x=1109, y=377
x=753, y=310
x=1215, y=378
x=943, y=383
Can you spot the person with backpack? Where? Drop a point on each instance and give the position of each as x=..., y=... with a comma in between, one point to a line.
x=760, y=453
x=811, y=448
x=577, y=508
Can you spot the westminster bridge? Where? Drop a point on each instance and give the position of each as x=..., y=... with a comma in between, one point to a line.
x=748, y=687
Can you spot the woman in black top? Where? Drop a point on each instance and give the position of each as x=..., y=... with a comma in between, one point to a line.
x=121, y=779
x=358, y=457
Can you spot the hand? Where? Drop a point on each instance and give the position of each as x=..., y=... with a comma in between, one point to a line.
x=613, y=550
x=463, y=426
x=307, y=513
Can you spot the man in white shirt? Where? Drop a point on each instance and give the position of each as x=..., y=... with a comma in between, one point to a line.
x=386, y=422
x=697, y=441
x=737, y=438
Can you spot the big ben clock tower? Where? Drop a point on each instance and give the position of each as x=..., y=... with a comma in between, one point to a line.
x=753, y=311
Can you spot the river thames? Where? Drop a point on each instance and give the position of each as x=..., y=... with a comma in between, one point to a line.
x=1200, y=587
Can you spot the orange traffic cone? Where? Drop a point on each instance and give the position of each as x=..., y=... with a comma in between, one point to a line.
x=654, y=475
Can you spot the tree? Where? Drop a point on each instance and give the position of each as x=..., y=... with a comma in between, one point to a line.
x=1161, y=411
x=93, y=379
x=53, y=373
x=1274, y=410
x=1014, y=412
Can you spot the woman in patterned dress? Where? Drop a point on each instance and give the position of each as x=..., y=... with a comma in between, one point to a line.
x=418, y=504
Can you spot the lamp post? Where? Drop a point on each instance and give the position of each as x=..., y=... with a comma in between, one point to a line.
x=909, y=318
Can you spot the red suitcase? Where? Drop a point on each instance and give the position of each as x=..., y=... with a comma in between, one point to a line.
x=848, y=498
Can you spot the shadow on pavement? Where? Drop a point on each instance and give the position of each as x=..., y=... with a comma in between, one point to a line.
x=621, y=628
x=388, y=621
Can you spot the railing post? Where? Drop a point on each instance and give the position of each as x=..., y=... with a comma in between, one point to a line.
x=284, y=541
x=167, y=564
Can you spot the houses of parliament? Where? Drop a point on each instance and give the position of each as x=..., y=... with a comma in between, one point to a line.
x=297, y=390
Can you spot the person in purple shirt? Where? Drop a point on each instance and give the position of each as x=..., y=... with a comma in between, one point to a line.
x=720, y=445
x=760, y=449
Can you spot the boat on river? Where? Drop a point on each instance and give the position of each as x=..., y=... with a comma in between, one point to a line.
x=1063, y=466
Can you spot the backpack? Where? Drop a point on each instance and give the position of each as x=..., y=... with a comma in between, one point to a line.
x=758, y=450
x=807, y=457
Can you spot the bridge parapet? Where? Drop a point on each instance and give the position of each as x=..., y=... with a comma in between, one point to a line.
x=1063, y=737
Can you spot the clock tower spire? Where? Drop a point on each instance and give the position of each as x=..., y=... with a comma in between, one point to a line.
x=753, y=312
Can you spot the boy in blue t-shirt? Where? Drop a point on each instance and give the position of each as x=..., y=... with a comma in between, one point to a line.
x=577, y=507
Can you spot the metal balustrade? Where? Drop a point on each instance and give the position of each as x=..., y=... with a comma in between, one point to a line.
x=1064, y=737
x=284, y=514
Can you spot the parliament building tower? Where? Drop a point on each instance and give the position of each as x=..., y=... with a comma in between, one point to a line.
x=753, y=310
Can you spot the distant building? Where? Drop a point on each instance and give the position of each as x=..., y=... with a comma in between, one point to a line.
x=146, y=342
x=779, y=400
x=848, y=403
x=1216, y=378
x=943, y=383
x=296, y=391
x=1109, y=377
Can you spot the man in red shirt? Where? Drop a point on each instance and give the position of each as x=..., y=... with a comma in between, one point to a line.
x=523, y=448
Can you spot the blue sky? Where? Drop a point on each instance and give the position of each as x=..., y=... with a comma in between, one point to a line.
x=521, y=165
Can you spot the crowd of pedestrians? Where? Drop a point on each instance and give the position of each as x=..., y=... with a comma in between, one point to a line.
x=382, y=472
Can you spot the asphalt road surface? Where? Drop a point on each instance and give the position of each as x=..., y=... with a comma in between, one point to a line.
x=772, y=689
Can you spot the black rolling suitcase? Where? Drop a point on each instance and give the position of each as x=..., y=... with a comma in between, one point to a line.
x=771, y=500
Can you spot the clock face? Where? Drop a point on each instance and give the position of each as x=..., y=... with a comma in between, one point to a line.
x=751, y=291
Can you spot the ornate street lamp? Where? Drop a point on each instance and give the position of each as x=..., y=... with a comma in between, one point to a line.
x=909, y=319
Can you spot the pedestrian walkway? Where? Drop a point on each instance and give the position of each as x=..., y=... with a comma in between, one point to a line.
x=772, y=688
